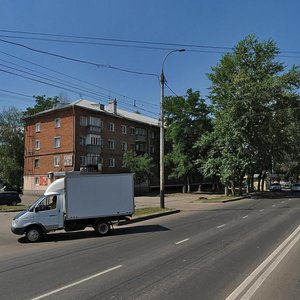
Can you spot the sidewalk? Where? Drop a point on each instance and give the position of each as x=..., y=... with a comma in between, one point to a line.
x=179, y=201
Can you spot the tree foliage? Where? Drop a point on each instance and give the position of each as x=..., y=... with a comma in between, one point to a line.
x=140, y=165
x=11, y=148
x=254, y=103
x=41, y=103
x=186, y=119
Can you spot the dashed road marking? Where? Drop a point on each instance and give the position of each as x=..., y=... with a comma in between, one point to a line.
x=244, y=217
x=180, y=242
x=220, y=226
x=76, y=283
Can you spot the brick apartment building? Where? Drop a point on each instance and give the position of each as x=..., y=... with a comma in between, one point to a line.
x=84, y=136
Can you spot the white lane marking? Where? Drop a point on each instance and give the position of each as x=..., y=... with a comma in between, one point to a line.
x=273, y=205
x=220, y=226
x=269, y=270
x=262, y=210
x=282, y=201
x=180, y=242
x=261, y=267
x=244, y=217
x=76, y=283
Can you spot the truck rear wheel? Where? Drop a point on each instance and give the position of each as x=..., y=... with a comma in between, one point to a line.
x=102, y=228
x=33, y=234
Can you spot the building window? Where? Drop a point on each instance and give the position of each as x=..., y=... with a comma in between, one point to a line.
x=95, y=122
x=36, y=163
x=82, y=160
x=124, y=146
x=37, y=127
x=123, y=163
x=56, y=142
x=111, y=144
x=151, y=149
x=93, y=139
x=132, y=147
x=132, y=130
x=124, y=129
x=83, y=121
x=36, y=181
x=152, y=135
x=57, y=122
x=82, y=140
x=56, y=161
x=111, y=162
x=139, y=147
x=140, y=131
x=111, y=127
x=93, y=159
x=37, y=145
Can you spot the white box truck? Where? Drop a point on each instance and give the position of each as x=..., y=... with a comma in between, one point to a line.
x=76, y=202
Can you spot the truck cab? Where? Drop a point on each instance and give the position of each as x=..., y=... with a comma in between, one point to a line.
x=44, y=215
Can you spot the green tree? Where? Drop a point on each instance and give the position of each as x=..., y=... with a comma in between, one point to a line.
x=140, y=165
x=186, y=120
x=250, y=95
x=41, y=103
x=11, y=148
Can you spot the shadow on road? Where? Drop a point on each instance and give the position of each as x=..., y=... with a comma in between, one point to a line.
x=88, y=234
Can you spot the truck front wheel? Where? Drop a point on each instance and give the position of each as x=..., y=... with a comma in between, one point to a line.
x=102, y=228
x=33, y=234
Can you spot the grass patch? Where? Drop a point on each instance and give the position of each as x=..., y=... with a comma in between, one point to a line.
x=12, y=208
x=149, y=211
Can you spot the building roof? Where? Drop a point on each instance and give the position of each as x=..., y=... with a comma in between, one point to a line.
x=120, y=112
x=104, y=109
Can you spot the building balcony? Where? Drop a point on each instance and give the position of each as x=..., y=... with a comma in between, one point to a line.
x=140, y=138
x=96, y=149
x=91, y=129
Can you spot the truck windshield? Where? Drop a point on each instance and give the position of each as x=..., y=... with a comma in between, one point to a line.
x=35, y=203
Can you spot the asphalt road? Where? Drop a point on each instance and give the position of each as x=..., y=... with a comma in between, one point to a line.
x=207, y=253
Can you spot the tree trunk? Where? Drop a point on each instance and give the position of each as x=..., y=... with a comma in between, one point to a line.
x=188, y=184
x=200, y=188
x=259, y=182
x=226, y=189
x=232, y=188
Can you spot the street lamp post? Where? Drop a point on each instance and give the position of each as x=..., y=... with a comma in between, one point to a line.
x=162, y=130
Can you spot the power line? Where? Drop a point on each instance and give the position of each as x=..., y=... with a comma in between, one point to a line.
x=78, y=60
x=74, y=78
x=122, y=41
x=57, y=86
x=117, y=40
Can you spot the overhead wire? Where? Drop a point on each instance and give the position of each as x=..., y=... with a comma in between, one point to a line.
x=78, y=60
x=79, y=80
x=197, y=46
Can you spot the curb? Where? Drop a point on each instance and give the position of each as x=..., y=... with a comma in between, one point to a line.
x=148, y=217
x=235, y=199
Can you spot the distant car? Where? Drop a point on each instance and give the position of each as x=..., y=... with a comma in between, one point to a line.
x=286, y=185
x=295, y=187
x=9, y=198
x=275, y=187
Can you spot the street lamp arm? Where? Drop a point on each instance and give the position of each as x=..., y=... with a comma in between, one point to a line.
x=163, y=64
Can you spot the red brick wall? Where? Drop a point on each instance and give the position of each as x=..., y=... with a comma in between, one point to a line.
x=46, y=136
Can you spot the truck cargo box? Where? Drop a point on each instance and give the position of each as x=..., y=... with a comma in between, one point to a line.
x=98, y=195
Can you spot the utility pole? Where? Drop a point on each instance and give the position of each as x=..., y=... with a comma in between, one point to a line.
x=162, y=131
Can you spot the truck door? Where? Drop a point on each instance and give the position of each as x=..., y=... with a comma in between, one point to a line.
x=48, y=212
